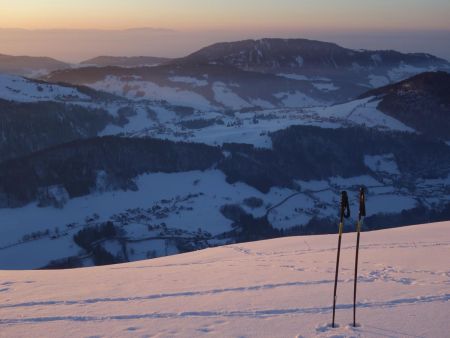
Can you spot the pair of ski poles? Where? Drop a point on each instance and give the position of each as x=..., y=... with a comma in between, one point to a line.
x=345, y=213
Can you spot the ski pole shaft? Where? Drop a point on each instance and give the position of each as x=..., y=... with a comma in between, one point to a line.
x=362, y=213
x=344, y=212
x=341, y=225
x=356, y=271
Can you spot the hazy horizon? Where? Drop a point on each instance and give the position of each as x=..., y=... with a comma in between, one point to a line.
x=75, y=45
x=77, y=30
x=215, y=14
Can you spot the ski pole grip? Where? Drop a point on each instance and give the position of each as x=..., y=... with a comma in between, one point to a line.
x=345, y=207
x=362, y=203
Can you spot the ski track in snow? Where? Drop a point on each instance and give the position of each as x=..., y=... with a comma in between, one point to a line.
x=363, y=246
x=258, y=313
x=377, y=275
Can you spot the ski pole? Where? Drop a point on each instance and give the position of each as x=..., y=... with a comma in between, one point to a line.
x=344, y=212
x=362, y=213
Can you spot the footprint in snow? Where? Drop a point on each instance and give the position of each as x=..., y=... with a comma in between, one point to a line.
x=204, y=329
x=132, y=328
x=326, y=327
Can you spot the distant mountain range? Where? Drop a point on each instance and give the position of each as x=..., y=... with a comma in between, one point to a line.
x=121, y=61
x=304, y=56
x=39, y=66
x=331, y=73
x=28, y=65
x=265, y=73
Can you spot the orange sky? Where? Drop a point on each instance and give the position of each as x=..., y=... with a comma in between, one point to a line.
x=231, y=14
x=405, y=25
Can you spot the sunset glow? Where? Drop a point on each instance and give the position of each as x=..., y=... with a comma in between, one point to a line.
x=215, y=14
x=76, y=30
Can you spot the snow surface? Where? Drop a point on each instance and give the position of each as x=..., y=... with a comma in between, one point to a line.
x=140, y=121
x=224, y=95
x=249, y=128
x=202, y=212
x=15, y=88
x=189, y=80
x=247, y=133
x=253, y=127
x=296, y=99
x=261, y=103
x=192, y=201
x=362, y=112
x=325, y=87
x=138, y=90
x=294, y=76
x=285, y=208
x=378, y=80
x=404, y=71
x=382, y=163
x=275, y=288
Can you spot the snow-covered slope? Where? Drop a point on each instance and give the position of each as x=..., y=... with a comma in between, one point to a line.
x=276, y=288
x=205, y=86
x=422, y=102
x=15, y=88
x=36, y=115
x=236, y=127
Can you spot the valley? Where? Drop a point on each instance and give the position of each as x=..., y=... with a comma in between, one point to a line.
x=127, y=161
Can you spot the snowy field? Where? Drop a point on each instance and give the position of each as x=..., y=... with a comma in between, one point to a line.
x=138, y=90
x=253, y=127
x=190, y=201
x=193, y=201
x=275, y=288
x=15, y=88
x=32, y=236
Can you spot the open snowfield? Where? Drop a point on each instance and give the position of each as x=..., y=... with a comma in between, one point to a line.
x=275, y=288
x=15, y=88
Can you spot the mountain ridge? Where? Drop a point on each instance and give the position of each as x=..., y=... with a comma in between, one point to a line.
x=125, y=61
x=294, y=72
x=29, y=65
x=316, y=52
